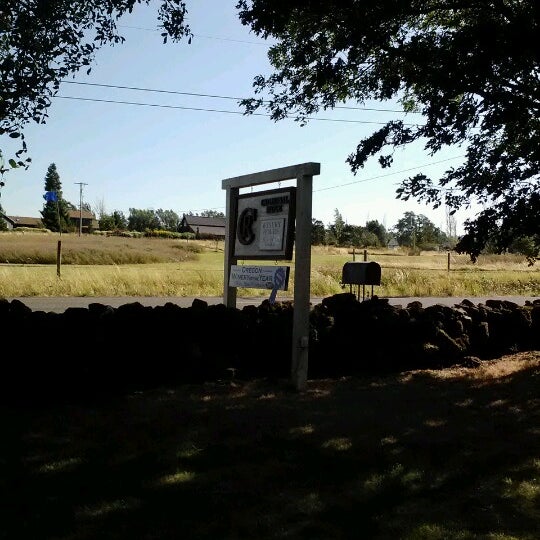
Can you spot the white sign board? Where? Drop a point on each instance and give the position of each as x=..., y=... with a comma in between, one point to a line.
x=259, y=277
x=271, y=237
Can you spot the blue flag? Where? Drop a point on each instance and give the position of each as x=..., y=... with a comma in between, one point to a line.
x=50, y=196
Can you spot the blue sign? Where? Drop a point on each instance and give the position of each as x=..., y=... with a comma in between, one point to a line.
x=279, y=281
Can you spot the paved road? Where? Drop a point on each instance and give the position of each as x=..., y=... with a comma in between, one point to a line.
x=60, y=304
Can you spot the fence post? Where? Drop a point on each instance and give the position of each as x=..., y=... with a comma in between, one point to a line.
x=58, y=257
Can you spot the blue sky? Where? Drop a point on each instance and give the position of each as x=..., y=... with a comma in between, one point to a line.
x=166, y=157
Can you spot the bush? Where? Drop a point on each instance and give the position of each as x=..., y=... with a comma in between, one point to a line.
x=23, y=230
x=160, y=233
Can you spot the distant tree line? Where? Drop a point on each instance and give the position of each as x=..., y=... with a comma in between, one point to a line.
x=413, y=231
x=146, y=219
x=55, y=212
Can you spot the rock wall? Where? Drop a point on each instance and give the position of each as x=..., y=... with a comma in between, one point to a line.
x=104, y=350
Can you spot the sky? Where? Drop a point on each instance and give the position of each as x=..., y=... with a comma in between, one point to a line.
x=171, y=154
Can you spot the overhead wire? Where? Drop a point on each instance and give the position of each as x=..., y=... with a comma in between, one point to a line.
x=337, y=186
x=200, y=109
x=391, y=174
x=220, y=38
x=217, y=96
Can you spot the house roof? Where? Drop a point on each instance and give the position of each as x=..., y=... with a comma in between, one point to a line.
x=76, y=214
x=22, y=221
x=214, y=226
x=198, y=221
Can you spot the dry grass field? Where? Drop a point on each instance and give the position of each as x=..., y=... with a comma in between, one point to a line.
x=423, y=455
x=114, y=266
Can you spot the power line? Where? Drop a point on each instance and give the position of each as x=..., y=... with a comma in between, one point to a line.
x=358, y=181
x=81, y=184
x=220, y=38
x=389, y=174
x=181, y=107
x=216, y=96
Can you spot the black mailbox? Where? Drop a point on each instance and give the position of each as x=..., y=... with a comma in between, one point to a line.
x=361, y=273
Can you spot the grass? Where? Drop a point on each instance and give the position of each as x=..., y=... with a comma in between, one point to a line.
x=424, y=455
x=112, y=266
x=31, y=248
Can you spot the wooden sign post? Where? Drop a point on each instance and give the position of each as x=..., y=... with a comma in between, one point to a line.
x=266, y=227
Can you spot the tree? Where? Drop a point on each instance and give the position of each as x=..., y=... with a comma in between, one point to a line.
x=405, y=230
x=55, y=210
x=120, y=221
x=523, y=245
x=168, y=219
x=3, y=224
x=428, y=234
x=336, y=229
x=100, y=208
x=470, y=68
x=417, y=231
x=111, y=222
x=212, y=213
x=42, y=43
x=379, y=230
x=141, y=220
x=367, y=238
x=318, y=233
x=106, y=222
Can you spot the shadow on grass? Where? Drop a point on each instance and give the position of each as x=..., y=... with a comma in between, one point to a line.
x=416, y=456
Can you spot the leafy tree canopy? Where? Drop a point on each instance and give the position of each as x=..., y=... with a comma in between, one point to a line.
x=114, y=221
x=141, y=220
x=417, y=230
x=212, y=213
x=3, y=224
x=318, y=232
x=43, y=42
x=168, y=219
x=379, y=230
x=471, y=68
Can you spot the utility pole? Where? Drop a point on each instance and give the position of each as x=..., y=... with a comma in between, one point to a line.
x=413, y=227
x=81, y=184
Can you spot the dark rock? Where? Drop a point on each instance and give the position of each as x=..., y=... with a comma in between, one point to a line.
x=199, y=304
x=471, y=362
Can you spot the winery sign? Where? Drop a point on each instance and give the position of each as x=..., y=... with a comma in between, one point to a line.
x=273, y=278
x=265, y=225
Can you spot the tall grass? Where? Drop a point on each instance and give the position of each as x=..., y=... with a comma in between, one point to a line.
x=109, y=266
x=93, y=249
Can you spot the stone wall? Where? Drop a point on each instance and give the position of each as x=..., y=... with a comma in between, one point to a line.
x=105, y=350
